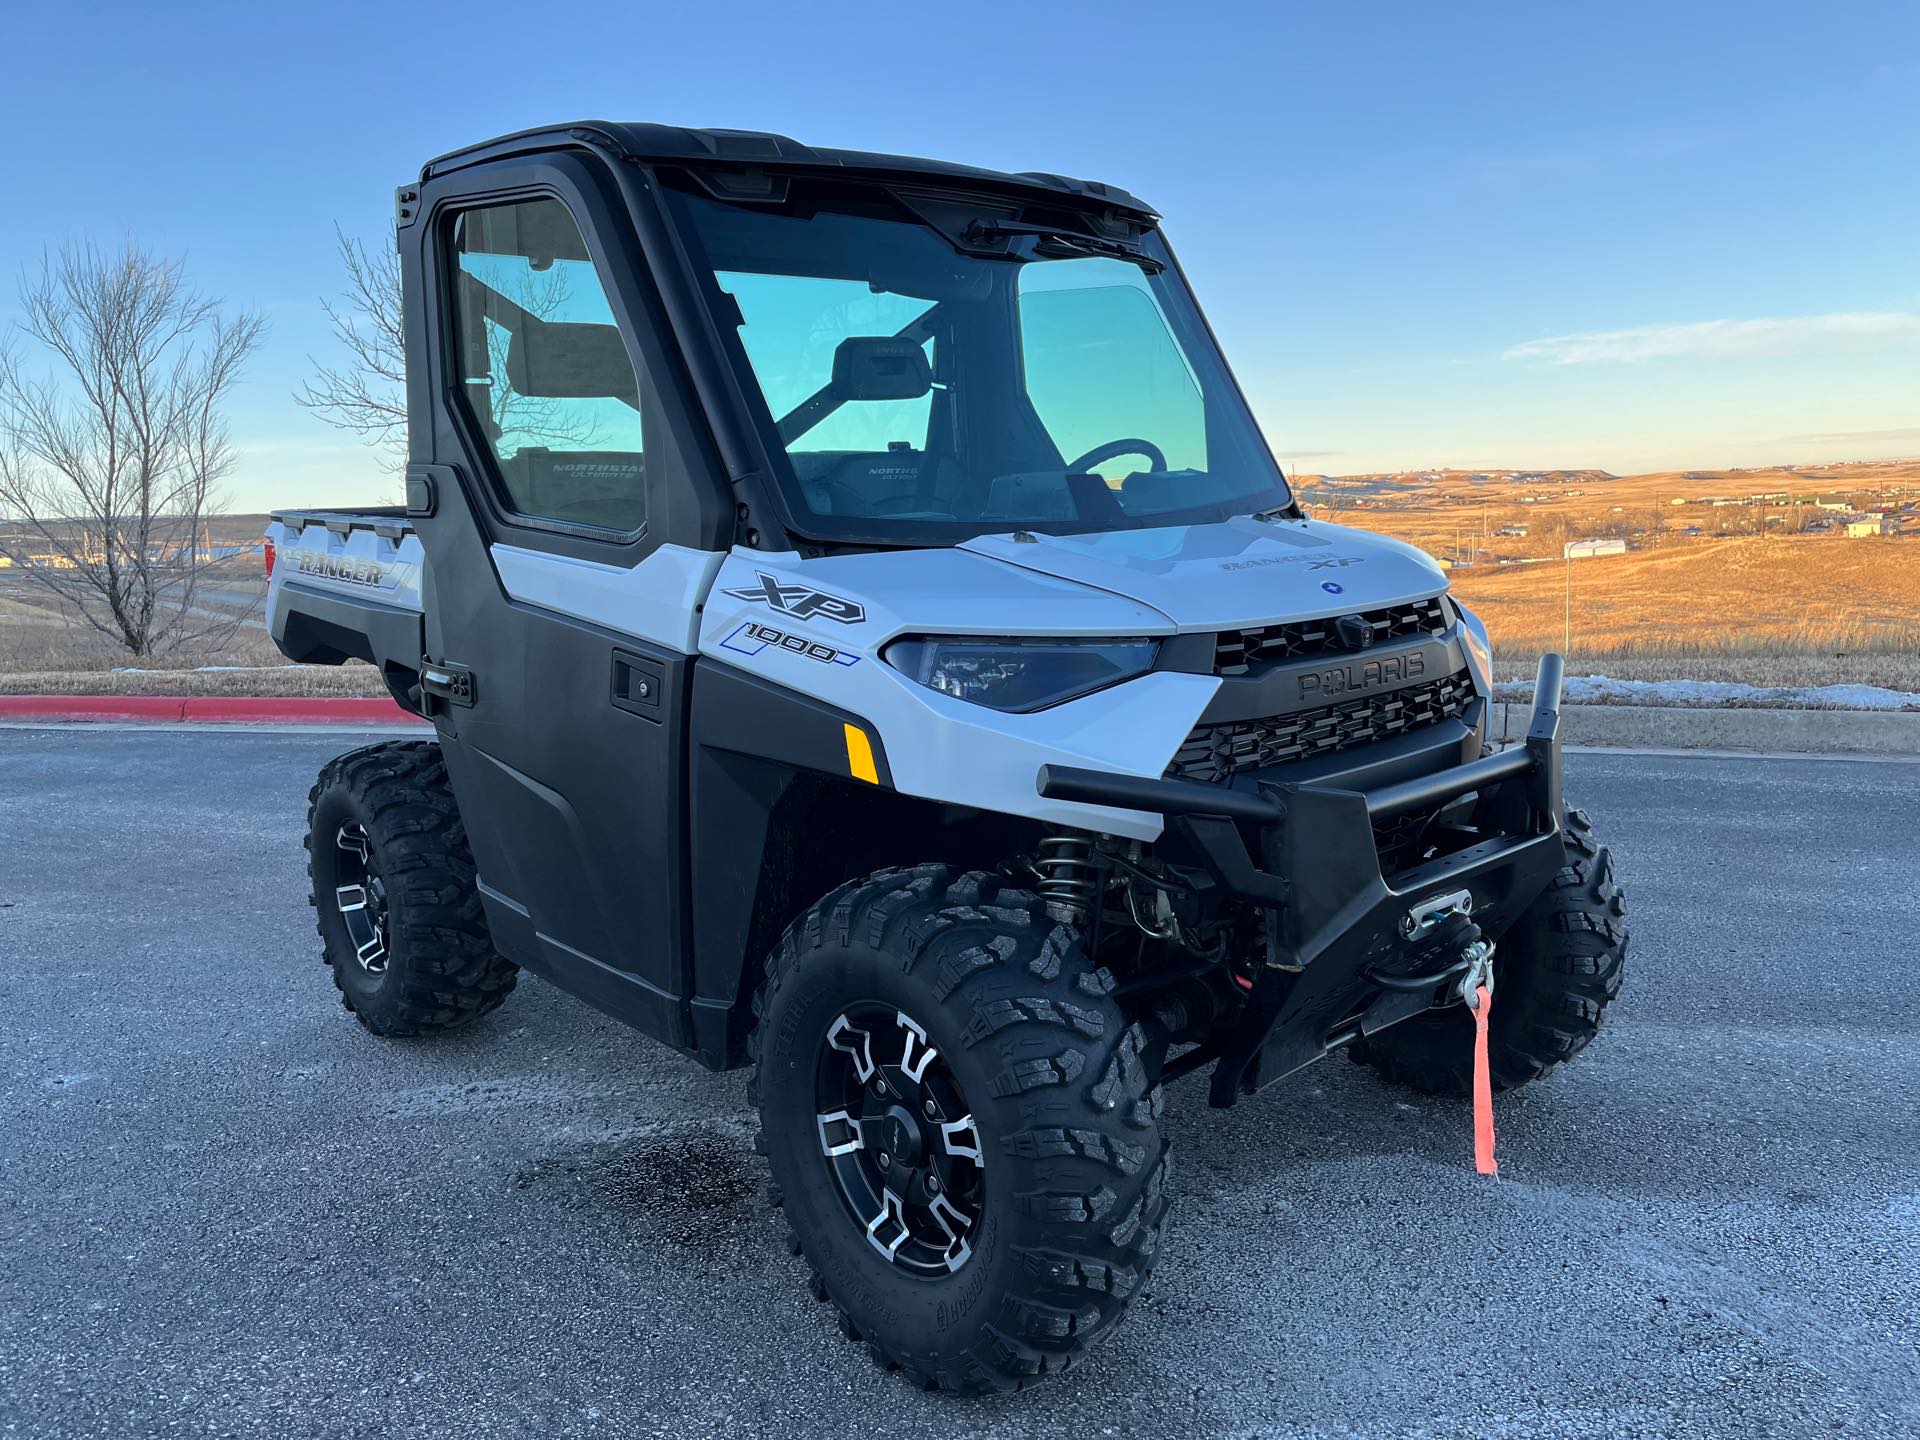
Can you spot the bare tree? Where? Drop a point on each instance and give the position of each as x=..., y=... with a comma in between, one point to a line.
x=367, y=396
x=108, y=464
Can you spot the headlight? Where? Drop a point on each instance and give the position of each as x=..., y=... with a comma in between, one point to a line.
x=1019, y=675
x=1473, y=630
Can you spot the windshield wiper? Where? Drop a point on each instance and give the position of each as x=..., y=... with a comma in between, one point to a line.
x=1066, y=242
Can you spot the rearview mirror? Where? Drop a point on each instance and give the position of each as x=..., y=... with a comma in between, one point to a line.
x=880, y=367
x=571, y=362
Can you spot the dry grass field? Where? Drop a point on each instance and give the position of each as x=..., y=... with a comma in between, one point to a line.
x=1747, y=592
x=1762, y=596
x=1744, y=590
x=43, y=652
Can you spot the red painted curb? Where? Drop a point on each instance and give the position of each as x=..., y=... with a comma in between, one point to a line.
x=208, y=709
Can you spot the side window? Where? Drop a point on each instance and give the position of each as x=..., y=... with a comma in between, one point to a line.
x=546, y=376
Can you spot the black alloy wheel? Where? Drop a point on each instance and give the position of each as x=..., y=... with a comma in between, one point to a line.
x=900, y=1139
x=360, y=895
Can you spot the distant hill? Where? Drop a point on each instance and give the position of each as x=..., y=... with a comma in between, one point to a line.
x=1416, y=487
x=1780, y=560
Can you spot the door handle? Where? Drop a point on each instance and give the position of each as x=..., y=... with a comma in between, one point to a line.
x=637, y=685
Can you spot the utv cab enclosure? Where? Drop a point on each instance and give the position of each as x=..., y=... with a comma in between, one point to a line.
x=867, y=636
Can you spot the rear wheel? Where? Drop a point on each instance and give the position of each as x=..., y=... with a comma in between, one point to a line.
x=394, y=893
x=1555, y=973
x=962, y=1124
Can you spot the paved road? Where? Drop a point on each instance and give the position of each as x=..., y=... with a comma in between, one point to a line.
x=225, y=1210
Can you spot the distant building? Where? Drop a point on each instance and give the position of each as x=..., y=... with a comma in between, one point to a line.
x=1862, y=525
x=1587, y=549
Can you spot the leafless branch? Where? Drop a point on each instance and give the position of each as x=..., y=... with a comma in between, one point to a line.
x=109, y=463
x=368, y=395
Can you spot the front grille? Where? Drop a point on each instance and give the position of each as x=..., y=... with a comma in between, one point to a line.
x=1218, y=752
x=1237, y=651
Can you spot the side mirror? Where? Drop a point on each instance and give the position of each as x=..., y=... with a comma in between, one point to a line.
x=880, y=367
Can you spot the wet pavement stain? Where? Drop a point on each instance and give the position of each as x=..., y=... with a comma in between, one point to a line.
x=698, y=1191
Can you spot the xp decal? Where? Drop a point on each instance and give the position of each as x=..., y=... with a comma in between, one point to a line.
x=752, y=637
x=799, y=601
x=1312, y=562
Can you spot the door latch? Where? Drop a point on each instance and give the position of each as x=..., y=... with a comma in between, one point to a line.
x=452, y=684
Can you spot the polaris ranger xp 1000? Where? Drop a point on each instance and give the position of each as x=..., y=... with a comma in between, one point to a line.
x=867, y=638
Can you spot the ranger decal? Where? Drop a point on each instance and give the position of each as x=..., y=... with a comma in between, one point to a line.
x=350, y=569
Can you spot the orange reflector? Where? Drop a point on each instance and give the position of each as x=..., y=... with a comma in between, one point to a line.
x=860, y=756
x=1483, y=1160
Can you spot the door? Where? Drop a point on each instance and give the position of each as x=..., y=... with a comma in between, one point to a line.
x=555, y=605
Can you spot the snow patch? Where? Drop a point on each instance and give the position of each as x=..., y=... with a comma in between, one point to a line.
x=1603, y=690
x=206, y=669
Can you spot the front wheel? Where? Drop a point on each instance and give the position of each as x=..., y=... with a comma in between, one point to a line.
x=962, y=1124
x=1555, y=973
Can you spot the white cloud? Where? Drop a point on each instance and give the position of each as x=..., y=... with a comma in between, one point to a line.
x=1727, y=339
x=1902, y=435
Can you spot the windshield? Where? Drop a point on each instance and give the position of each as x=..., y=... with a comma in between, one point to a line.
x=917, y=390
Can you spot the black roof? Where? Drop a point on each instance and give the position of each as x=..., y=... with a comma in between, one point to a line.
x=763, y=150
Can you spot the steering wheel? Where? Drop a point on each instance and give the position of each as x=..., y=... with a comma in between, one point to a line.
x=1132, y=446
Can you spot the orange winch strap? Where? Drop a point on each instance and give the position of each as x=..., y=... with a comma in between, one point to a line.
x=1483, y=1160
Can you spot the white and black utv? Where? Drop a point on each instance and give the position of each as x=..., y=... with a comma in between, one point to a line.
x=868, y=638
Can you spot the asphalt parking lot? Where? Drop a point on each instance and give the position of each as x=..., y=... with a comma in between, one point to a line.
x=226, y=1210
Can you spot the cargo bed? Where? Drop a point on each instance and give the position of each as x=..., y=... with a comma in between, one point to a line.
x=346, y=586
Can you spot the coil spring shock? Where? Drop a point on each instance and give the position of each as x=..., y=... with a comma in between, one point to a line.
x=1069, y=878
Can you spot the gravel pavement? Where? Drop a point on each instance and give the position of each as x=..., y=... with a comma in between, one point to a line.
x=226, y=1210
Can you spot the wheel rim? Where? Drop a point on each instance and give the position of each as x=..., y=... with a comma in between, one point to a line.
x=361, y=897
x=900, y=1139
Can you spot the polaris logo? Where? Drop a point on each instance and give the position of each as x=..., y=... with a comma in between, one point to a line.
x=798, y=601
x=1358, y=678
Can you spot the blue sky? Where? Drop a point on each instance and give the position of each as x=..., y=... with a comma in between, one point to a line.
x=1634, y=237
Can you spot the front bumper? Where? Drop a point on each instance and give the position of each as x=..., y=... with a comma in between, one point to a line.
x=1339, y=963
